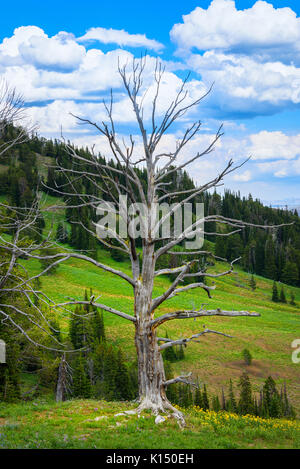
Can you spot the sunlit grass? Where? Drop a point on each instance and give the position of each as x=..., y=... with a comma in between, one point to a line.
x=214, y=359
x=93, y=424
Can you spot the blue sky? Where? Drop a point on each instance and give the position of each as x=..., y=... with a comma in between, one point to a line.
x=62, y=56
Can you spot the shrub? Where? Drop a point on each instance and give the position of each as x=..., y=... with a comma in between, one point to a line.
x=247, y=356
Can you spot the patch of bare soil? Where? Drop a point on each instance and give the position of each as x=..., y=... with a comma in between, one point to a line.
x=257, y=369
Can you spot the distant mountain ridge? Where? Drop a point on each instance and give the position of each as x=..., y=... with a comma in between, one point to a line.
x=292, y=203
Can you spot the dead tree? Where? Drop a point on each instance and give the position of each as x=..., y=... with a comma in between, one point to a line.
x=11, y=113
x=64, y=380
x=123, y=179
x=22, y=304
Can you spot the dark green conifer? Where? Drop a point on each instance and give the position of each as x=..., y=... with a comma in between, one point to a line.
x=272, y=401
x=245, y=405
x=198, y=401
x=247, y=356
x=81, y=381
x=252, y=283
x=275, y=297
x=61, y=234
x=169, y=353
x=282, y=295
x=180, y=353
x=292, y=301
x=216, y=406
x=231, y=404
x=205, y=400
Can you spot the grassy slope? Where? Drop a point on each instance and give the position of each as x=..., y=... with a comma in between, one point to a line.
x=214, y=359
x=72, y=424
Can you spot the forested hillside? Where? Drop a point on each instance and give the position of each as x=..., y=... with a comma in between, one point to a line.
x=273, y=254
x=102, y=359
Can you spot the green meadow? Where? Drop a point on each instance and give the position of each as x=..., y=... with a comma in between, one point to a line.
x=213, y=359
x=83, y=424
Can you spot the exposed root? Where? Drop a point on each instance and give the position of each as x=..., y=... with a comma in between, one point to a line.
x=157, y=410
x=179, y=416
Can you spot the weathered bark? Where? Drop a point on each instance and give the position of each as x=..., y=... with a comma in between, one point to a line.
x=151, y=374
x=63, y=380
x=150, y=368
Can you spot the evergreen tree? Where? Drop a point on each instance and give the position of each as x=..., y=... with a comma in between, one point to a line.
x=234, y=247
x=288, y=410
x=172, y=390
x=185, y=396
x=275, y=297
x=46, y=263
x=252, y=283
x=80, y=328
x=97, y=324
x=231, y=401
x=123, y=383
x=247, y=356
x=112, y=377
x=276, y=408
x=198, y=401
x=118, y=255
x=169, y=353
x=270, y=270
x=188, y=396
x=55, y=329
x=245, y=405
x=81, y=382
x=216, y=406
x=292, y=301
x=290, y=273
x=221, y=246
x=205, y=400
x=272, y=402
x=282, y=295
x=180, y=353
x=61, y=234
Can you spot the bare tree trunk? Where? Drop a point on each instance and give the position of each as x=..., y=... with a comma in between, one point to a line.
x=150, y=368
x=151, y=374
x=63, y=380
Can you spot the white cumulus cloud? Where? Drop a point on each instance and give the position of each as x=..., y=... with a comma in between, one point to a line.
x=261, y=30
x=243, y=85
x=280, y=168
x=252, y=55
x=30, y=45
x=120, y=37
x=274, y=146
x=243, y=177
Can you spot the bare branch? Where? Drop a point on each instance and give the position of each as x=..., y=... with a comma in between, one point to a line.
x=99, y=305
x=181, y=379
x=187, y=314
x=189, y=339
